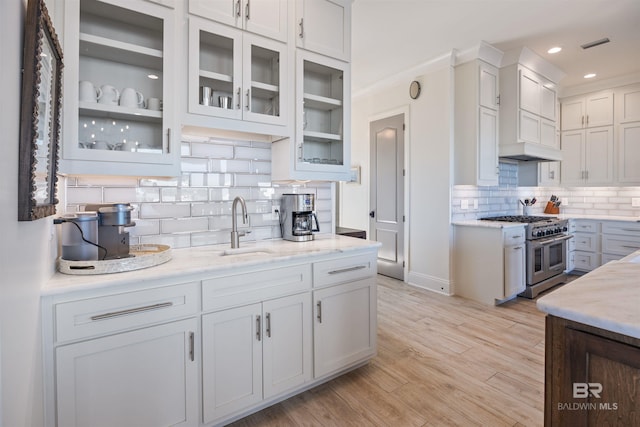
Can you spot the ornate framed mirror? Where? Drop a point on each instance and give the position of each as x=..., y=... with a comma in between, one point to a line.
x=39, y=116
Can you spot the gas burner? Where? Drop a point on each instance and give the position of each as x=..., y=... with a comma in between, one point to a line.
x=520, y=218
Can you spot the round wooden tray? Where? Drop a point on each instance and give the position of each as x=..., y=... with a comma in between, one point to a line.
x=144, y=256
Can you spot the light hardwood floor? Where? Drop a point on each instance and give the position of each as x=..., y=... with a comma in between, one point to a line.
x=441, y=361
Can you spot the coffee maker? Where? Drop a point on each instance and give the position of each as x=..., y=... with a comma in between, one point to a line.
x=297, y=217
x=112, y=236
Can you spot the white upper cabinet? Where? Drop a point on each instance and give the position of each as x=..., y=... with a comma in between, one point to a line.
x=324, y=26
x=530, y=93
x=588, y=157
x=628, y=134
x=236, y=75
x=587, y=111
x=119, y=71
x=489, y=86
x=265, y=17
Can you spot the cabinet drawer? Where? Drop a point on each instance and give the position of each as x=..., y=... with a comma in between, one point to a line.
x=622, y=228
x=112, y=313
x=243, y=289
x=586, y=261
x=586, y=242
x=620, y=245
x=610, y=257
x=586, y=227
x=342, y=270
x=513, y=236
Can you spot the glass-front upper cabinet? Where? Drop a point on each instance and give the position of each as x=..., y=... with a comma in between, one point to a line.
x=322, y=120
x=236, y=75
x=119, y=108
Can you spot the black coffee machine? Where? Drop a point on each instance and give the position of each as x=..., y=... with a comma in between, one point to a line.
x=298, y=220
x=112, y=236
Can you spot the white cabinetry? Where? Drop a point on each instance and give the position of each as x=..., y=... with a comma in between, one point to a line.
x=588, y=156
x=123, y=44
x=598, y=242
x=320, y=149
x=248, y=71
x=628, y=134
x=619, y=239
x=587, y=111
x=254, y=352
x=587, y=245
x=476, y=116
x=528, y=111
x=324, y=26
x=264, y=17
x=108, y=374
x=489, y=262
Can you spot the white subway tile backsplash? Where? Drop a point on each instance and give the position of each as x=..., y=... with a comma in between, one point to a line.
x=242, y=180
x=174, y=240
x=212, y=208
x=184, y=195
x=224, y=166
x=145, y=227
x=194, y=165
x=252, y=153
x=260, y=167
x=84, y=195
x=212, y=151
x=219, y=222
x=161, y=182
x=164, y=210
x=182, y=225
x=229, y=193
x=99, y=181
x=130, y=195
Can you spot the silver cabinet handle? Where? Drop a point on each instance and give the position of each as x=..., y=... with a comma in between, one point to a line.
x=246, y=10
x=516, y=237
x=238, y=104
x=131, y=311
x=301, y=28
x=346, y=270
x=319, y=315
x=517, y=248
x=268, y=328
x=630, y=247
x=248, y=106
x=168, y=148
x=258, y=334
x=192, y=339
x=582, y=120
x=238, y=8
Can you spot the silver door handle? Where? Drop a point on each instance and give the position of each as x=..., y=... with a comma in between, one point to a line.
x=131, y=311
x=246, y=11
x=301, y=28
x=237, y=8
x=192, y=346
x=239, y=98
x=268, y=328
x=258, y=335
x=346, y=270
x=319, y=315
x=248, y=99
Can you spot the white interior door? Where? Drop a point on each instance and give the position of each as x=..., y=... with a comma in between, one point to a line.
x=387, y=193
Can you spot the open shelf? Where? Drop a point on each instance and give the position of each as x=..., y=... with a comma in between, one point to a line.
x=321, y=102
x=216, y=76
x=118, y=112
x=118, y=51
x=321, y=136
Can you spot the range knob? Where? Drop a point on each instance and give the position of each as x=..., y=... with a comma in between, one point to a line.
x=549, y=232
x=565, y=228
x=558, y=230
x=539, y=234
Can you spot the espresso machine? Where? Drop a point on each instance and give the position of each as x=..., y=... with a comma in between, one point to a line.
x=298, y=220
x=112, y=236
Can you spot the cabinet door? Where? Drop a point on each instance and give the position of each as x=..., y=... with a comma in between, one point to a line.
x=529, y=91
x=548, y=102
x=324, y=26
x=223, y=11
x=599, y=155
x=322, y=114
x=514, y=270
x=287, y=343
x=629, y=102
x=345, y=325
x=488, y=169
x=489, y=86
x=118, y=47
x=231, y=360
x=629, y=153
x=146, y=377
x=599, y=108
x=572, y=114
x=548, y=133
x=572, y=165
x=529, y=129
x=267, y=18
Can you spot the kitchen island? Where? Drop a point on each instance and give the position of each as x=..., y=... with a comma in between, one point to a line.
x=592, y=347
x=210, y=336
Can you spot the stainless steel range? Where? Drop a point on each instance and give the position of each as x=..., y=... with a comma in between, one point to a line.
x=546, y=251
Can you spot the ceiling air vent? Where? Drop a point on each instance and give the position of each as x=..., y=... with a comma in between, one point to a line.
x=595, y=43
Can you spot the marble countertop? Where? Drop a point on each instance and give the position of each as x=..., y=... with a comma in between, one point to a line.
x=488, y=224
x=607, y=298
x=212, y=259
x=600, y=217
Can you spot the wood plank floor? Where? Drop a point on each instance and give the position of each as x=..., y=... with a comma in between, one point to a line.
x=441, y=361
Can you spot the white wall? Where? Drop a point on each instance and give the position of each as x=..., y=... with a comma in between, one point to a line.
x=25, y=254
x=428, y=150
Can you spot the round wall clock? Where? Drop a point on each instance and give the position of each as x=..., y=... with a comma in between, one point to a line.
x=414, y=89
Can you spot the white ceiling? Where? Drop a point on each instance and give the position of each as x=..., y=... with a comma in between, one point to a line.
x=389, y=36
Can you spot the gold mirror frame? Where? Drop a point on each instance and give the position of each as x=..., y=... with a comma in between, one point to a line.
x=39, y=116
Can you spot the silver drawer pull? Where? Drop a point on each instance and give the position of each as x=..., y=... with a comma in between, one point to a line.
x=346, y=270
x=630, y=247
x=131, y=311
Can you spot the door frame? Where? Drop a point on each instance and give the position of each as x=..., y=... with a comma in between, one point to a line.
x=406, y=110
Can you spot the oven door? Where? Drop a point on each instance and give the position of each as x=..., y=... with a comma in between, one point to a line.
x=546, y=258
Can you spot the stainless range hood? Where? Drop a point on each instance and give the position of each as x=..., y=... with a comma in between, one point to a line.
x=529, y=152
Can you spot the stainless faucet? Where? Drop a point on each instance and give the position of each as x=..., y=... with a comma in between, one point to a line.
x=235, y=234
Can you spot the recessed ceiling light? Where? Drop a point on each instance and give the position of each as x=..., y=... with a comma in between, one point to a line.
x=153, y=76
x=555, y=49
x=589, y=76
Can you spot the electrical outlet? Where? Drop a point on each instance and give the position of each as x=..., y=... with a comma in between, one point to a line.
x=464, y=204
x=274, y=212
x=475, y=204
x=635, y=202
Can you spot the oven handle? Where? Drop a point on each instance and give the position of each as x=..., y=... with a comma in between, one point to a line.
x=546, y=242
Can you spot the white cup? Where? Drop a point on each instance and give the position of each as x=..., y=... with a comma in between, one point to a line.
x=87, y=92
x=131, y=98
x=154, y=104
x=109, y=95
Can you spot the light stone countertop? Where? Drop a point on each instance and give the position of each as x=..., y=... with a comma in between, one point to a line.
x=488, y=224
x=600, y=217
x=607, y=298
x=211, y=260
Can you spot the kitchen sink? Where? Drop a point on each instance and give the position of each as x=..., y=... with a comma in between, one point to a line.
x=247, y=250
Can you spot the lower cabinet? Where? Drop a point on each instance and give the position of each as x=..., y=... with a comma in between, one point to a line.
x=146, y=377
x=254, y=352
x=345, y=325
